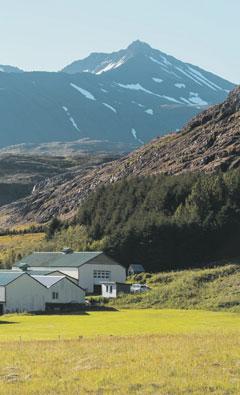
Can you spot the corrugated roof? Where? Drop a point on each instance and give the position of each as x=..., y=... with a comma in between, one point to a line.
x=9, y=276
x=58, y=259
x=48, y=281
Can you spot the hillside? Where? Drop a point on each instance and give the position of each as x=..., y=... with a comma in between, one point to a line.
x=19, y=173
x=207, y=289
x=210, y=142
x=138, y=94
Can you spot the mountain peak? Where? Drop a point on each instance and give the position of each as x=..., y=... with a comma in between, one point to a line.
x=139, y=46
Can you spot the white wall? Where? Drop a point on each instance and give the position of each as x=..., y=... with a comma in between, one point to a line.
x=107, y=294
x=25, y=294
x=2, y=294
x=87, y=281
x=67, y=292
x=69, y=271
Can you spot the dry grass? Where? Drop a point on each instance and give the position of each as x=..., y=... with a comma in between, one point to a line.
x=166, y=352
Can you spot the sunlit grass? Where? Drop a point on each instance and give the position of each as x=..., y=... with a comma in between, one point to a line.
x=13, y=245
x=165, y=352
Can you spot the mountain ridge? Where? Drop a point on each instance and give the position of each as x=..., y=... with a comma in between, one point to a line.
x=209, y=142
x=149, y=94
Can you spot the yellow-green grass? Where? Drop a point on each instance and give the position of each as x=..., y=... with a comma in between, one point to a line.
x=11, y=246
x=117, y=323
x=161, y=352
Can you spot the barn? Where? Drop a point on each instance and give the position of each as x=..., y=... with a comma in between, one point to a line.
x=90, y=268
x=19, y=292
x=59, y=289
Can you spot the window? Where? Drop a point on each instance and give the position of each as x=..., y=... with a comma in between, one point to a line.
x=110, y=289
x=102, y=274
x=55, y=295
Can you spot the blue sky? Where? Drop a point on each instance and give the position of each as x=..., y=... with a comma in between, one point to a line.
x=48, y=34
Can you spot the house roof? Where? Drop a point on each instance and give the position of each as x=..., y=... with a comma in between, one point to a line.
x=9, y=276
x=58, y=259
x=137, y=268
x=48, y=281
x=46, y=272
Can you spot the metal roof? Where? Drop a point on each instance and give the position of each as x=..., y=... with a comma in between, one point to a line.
x=136, y=268
x=58, y=259
x=48, y=281
x=9, y=276
x=43, y=272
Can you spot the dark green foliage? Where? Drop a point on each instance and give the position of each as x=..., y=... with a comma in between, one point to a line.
x=167, y=222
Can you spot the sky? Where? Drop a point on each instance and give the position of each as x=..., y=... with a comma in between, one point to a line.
x=49, y=34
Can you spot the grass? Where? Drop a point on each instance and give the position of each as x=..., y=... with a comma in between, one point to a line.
x=168, y=352
x=209, y=289
x=11, y=246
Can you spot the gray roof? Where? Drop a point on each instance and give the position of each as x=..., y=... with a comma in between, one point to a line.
x=46, y=272
x=48, y=281
x=58, y=259
x=136, y=268
x=9, y=276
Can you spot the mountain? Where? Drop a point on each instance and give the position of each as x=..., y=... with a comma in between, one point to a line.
x=209, y=142
x=127, y=97
x=9, y=69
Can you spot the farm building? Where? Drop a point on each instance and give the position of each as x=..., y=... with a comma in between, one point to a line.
x=135, y=269
x=114, y=289
x=91, y=269
x=59, y=289
x=20, y=292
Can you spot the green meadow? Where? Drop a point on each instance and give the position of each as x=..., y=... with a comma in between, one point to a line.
x=143, y=351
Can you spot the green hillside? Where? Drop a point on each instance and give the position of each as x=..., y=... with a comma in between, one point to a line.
x=209, y=289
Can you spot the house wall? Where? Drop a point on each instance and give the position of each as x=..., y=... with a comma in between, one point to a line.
x=69, y=271
x=2, y=294
x=67, y=293
x=106, y=293
x=25, y=294
x=86, y=274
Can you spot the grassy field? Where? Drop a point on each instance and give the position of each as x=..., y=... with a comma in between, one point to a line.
x=164, y=352
x=13, y=245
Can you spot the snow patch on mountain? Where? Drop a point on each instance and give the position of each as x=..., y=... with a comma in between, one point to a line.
x=203, y=79
x=111, y=66
x=84, y=92
x=71, y=119
x=159, y=80
x=110, y=107
x=139, y=87
x=149, y=111
x=194, y=98
x=179, y=85
x=134, y=133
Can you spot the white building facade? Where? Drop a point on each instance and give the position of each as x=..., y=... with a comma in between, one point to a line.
x=91, y=269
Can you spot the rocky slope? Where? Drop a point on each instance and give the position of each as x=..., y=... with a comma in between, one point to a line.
x=209, y=142
x=130, y=97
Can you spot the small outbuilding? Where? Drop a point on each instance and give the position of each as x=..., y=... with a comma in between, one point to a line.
x=114, y=289
x=135, y=269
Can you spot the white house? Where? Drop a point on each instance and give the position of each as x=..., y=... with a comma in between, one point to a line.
x=20, y=292
x=114, y=289
x=59, y=289
x=90, y=268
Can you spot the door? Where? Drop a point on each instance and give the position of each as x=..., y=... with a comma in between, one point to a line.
x=1, y=309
